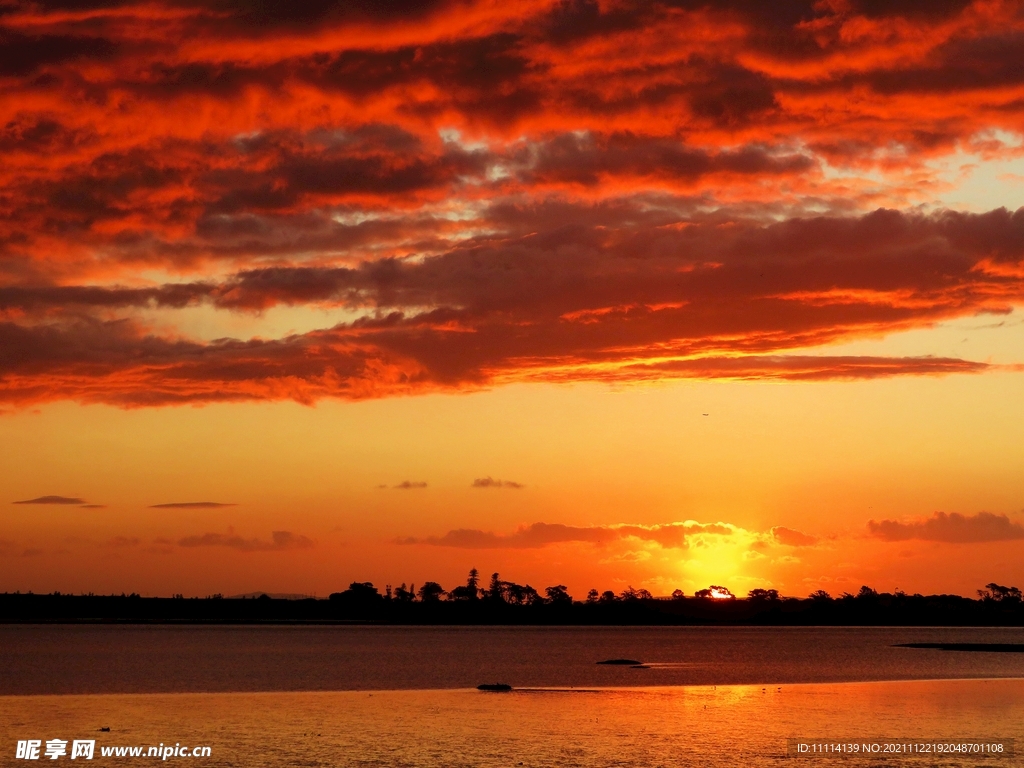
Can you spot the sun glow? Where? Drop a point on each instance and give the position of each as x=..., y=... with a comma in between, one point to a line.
x=715, y=592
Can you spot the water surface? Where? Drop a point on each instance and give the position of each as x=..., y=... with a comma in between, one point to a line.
x=629, y=728
x=73, y=659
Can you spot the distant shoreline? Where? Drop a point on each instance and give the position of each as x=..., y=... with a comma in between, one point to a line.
x=881, y=610
x=967, y=647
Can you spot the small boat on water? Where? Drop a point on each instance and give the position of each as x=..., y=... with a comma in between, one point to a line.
x=621, y=662
x=495, y=687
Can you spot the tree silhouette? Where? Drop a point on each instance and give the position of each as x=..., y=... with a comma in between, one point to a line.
x=999, y=605
x=558, y=595
x=531, y=596
x=515, y=593
x=359, y=592
x=997, y=593
x=496, y=590
x=431, y=592
x=714, y=591
x=471, y=591
x=361, y=598
x=403, y=595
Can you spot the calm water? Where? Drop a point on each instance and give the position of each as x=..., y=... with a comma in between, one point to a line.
x=389, y=696
x=157, y=659
x=689, y=726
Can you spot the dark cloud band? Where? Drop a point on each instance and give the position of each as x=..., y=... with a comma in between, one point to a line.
x=952, y=528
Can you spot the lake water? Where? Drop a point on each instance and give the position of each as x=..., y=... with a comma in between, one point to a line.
x=402, y=696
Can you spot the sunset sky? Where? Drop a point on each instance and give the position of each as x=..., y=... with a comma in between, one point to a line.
x=595, y=292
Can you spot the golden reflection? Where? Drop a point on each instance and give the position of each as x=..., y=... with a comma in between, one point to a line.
x=707, y=725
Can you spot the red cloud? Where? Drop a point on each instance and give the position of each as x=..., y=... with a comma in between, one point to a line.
x=495, y=192
x=584, y=303
x=346, y=111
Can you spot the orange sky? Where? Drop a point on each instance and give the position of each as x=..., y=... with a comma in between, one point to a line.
x=601, y=293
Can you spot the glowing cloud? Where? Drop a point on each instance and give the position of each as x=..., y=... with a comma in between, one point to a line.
x=546, y=192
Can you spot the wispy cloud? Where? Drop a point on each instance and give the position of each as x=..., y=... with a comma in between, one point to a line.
x=792, y=538
x=191, y=505
x=670, y=535
x=490, y=482
x=54, y=500
x=122, y=542
x=409, y=485
x=160, y=546
x=953, y=528
x=10, y=548
x=279, y=541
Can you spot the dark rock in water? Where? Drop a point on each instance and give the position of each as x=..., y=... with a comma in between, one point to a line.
x=622, y=662
x=495, y=687
x=105, y=729
x=975, y=647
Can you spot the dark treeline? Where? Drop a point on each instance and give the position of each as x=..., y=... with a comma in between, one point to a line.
x=504, y=602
